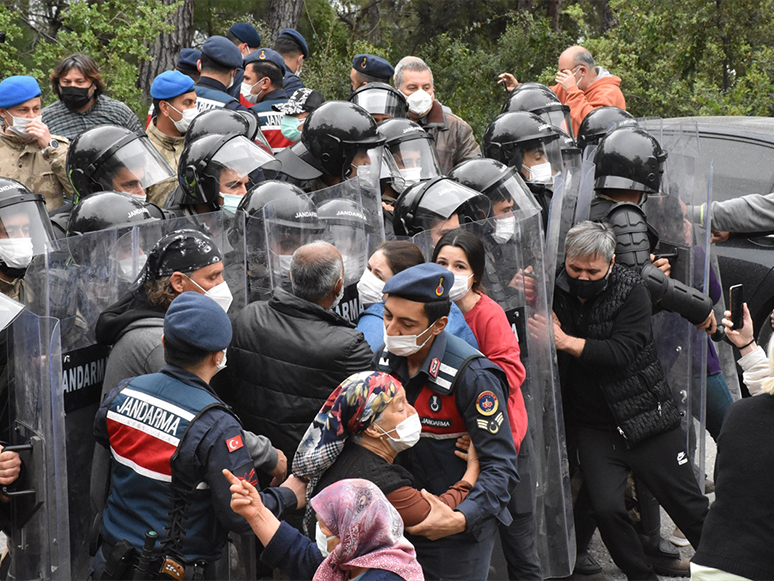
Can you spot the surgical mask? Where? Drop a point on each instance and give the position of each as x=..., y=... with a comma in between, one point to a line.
x=230, y=203
x=364, y=173
x=230, y=82
x=460, y=287
x=126, y=266
x=587, y=289
x=419, y=102
x=247, y=95
x=289, y=128
x=409, y=431
x=412, y=175
x=338, y=298
x=370, y=288
x=16, y=252
x=285, y=261
x=222, y=364
x=20, y=124
x=405, y=345
x=322, y=541
x=188, y=116
x=505, y=228
x=541, y=173
x=220, y=293
x=74, y=97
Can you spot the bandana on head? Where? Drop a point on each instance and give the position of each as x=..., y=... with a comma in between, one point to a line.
x=370, y=530
x=350, y=409
x=180, y=251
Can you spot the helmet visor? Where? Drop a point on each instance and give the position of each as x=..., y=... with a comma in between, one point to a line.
x=381, y=102
x=133, y=168
x=350, y=241
x=414, y=161
x=513, y=189
x=558, y=118
x=366, y=165
x=446, y=198
x=541, y=160
x=241, y=156
x=26, y=221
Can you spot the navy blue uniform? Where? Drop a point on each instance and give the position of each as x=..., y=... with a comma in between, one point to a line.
x=292, y=83
x=457, y=391
x=212, y=94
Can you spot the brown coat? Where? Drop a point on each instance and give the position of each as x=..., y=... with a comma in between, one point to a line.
x=170, y=148
x=454, y=141
x=42, y=173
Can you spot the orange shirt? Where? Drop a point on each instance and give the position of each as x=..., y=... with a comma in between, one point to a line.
x=604, y=92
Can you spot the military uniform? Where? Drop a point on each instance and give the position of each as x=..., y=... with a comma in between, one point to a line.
x=170, y=148
x=457, y=391
x=43, y=172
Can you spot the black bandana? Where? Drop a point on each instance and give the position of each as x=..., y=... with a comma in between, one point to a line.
x=180, y=251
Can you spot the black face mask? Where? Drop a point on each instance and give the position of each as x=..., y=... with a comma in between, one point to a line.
x=587, y=289
x=74, y=97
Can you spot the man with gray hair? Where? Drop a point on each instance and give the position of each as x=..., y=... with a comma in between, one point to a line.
x=288, y=354
x=454, y=141
x=619, y=411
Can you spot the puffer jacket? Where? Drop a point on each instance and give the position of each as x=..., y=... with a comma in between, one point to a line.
x=286, y=357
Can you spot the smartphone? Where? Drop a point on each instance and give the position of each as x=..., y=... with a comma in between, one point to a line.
x=736, y=298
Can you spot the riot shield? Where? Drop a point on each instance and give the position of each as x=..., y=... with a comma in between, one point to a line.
x=515, y=277
x=560, y=219
x=36, y=513
x=585, y=192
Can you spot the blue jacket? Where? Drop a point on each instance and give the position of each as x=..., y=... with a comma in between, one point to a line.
x=292, y=83
x=211, y=94
x=371, y=324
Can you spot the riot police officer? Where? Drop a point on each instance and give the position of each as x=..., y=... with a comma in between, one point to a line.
x=226, y=122
x=601, y=121
x=381, y=100
x=542, y=101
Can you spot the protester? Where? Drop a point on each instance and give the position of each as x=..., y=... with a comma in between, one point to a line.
x=753, y=361
x=82, y=104
x=295, y=111
x=28, y=152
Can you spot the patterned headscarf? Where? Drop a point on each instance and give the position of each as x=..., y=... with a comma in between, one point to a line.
x=180, y=251
x=350, y=409
x=370, y=529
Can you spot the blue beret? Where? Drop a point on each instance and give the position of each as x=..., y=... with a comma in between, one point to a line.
x=16, y=90
x=222, y=51
x=195, y=321
x=373, y=65
x=171, y=84
x=266, y=54
x=188, y=58
x=296, y=37
x=246, y=33
x=423, y=283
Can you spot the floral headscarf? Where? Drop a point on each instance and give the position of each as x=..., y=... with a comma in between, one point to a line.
x=350, y=409
x=370, y=529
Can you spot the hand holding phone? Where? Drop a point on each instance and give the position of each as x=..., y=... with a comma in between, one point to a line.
x=736, y=298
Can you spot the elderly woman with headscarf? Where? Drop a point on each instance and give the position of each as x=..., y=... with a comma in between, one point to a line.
x=363, y=426
x=359, y=535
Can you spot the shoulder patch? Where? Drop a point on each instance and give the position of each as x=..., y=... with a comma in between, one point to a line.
x=233, y=444
x=435, y=365
x=487, y=404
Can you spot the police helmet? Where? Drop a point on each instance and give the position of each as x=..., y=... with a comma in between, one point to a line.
x=601, y=121
x=222, y=121
x=426, y=204
x=409, y=153
x=249, y=212
x=105, y=210
x=202, y=162
x=109, y=157
x=629, y=158
x=495, y=180
x=540, y=100
x=381, y=101
x=24, y=227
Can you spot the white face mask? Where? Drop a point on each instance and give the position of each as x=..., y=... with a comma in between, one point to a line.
x=220, y=293
x=505, y=228
x=322, y=541
x=298, y=70
x=460, y=287
x=246, y=92
x=365, y=173
x=541, y=173
x=338, y=298
x=188, y=116
x=408, y=431
x=370, y=288
x=16, y=252
x=230, y=203
x=419, y=102
x=20, y=124
x=412, y=175
x=405, y=345
x=230, y=81
x=222, y=364
x=126, y=266
x=285, y=261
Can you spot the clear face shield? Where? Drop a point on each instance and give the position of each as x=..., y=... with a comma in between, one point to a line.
x=134, y=168
x=24, y=231
x=571, y=157
x=350, y=241
x=411, y=162
x=381, y=104
x=446, y=205
x=541, y=161
x=366, y=165
x=558, y=116
x=511, y=193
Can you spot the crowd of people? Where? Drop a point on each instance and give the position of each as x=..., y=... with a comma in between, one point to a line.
x=334, y=328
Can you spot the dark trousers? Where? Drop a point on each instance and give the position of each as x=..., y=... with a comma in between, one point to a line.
x=519, y=539
x=662, y=464
x=462, y=556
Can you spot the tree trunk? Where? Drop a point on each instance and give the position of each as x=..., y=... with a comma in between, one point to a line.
x=282, y=14
x=164, y=52
x=553, y=13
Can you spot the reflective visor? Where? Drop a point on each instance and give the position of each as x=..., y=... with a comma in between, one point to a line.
x=381, y=102
x=242, y=156
x=134, y=167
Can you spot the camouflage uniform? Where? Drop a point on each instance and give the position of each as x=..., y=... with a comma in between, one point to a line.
x=170, y=148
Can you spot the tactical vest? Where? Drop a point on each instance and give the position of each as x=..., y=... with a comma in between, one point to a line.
x=146, y=422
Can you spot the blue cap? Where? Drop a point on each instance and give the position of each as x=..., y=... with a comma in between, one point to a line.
x=266, y=54
x=246, y=33
x=171, y=84
x=222, y=51
x=198, y=322
x=423, y=283
x=188, y=58
x=373, y=65
x=16, y=90
x=296, y=37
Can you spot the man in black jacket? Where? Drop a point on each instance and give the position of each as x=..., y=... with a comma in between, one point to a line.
x=288, y=354
x=618, y=407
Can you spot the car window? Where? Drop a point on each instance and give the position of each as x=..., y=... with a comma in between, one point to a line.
x=740, y=166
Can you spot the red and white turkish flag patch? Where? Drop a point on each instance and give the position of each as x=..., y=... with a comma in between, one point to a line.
x=234, y=443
